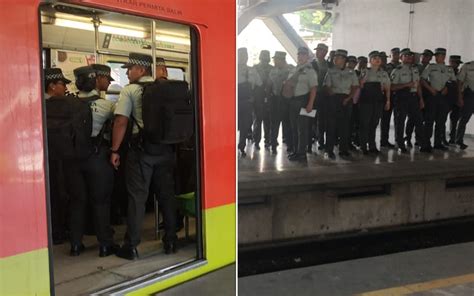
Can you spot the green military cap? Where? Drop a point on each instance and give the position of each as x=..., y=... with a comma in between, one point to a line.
x=383, y=54
x=264, y=54
x=374, y=53
x=138, y=59
x=280, y=55
x=102, y=70
x=440, y=50
x=406, y=51
x=321, y=46
x=395, y=50
x=341, y=52
x=52, y=74
x=456, y=58
x=85, y=71
x=160, y=62
x=352, y=59
x=362, y=58
x=427, y=52
x=303, y=49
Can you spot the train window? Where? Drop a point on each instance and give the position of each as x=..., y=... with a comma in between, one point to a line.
x=118, y=73
x=175, y=73
x=74, y=36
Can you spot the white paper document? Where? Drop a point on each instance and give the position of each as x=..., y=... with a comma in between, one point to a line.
x=310, y=114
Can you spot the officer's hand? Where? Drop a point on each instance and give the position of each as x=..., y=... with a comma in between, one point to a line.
x=444, y=91
x=345, y=101
x=433, y=91
x=460, y=103
x=115, y=160
x=422, y=104
x=309, y=108
x=387, y=106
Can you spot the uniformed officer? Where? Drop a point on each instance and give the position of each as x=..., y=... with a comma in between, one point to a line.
x=247, y=80
x=387, y=114
x=395, y=60
x=341, y=85
x=278, y=105
x=321, y=66
x=409, y=100
x=465, y=100
x=362, y=62
x=454, y=62
x=426, y=57
x=383, y=55
x=93, y=178
x=55, y=83
x=435, y=78
x=143, y=167
x=55, y=86
x=330, y=59
x=351, y=62
x=374, y=98
x=161, y=70
x=261, y=105
x=305, y=82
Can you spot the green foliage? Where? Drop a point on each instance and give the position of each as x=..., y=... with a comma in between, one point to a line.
x=310, y=20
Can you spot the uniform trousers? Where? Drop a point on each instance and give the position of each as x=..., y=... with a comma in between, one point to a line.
x=91, y=179
x=407, y=104
x=453, y=110
x=285, y=122
x=465, y=115
x=261, y=110
x=338, y=122
x=322, y=115
x=59, y=199
x=355, y=124
x=142, y=171
x=244, y=121
x=371, y=105
x=299, y=124
x=276, y=116
x=436, y=111
x=410, y=125
x=385, y=124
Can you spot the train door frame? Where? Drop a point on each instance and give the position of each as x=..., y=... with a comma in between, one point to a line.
x=181, y=267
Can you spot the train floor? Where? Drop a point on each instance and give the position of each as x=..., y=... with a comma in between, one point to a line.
x=88, y=272
x=446, y=270
x=264, y=161
x=220, y=282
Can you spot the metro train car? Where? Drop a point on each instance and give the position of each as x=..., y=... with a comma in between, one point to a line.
x=198, y=46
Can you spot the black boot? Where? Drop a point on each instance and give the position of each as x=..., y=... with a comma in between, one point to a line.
x=128, y=253
x=76, y=249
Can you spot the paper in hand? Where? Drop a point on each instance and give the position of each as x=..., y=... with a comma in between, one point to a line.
x=310, y=114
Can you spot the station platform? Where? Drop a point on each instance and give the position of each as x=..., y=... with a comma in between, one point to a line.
x=262, y=173
x=281, y=201
x=217, y=283
x=446, y=270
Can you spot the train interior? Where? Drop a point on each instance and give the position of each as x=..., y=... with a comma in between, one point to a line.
x=75, y=36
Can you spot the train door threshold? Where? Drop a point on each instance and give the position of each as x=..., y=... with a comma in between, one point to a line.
x=88, y=273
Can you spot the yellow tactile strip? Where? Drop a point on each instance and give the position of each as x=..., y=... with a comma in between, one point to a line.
x=420, y=287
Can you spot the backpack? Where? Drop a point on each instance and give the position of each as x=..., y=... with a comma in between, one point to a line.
x=69, y=127
x=167, y=112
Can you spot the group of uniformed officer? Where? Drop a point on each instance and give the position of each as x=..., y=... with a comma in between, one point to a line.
x=352, y=100
x=92, y=179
